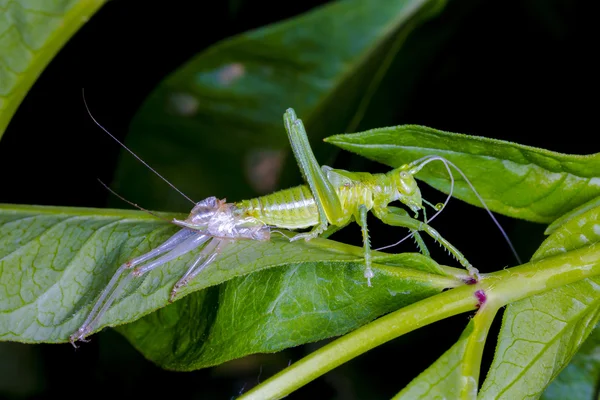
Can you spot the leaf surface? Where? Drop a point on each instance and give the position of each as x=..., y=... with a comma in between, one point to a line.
x=515, y=180
x=55, y=261
x=579, y=380
x=540, y=334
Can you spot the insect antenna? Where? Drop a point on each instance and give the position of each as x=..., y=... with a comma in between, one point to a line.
x=420, y=163
x=426, y=160
x=131, y=152
x=132, y=203
x=413, y=171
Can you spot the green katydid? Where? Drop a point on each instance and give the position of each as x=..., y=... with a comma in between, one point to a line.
x=331, y=199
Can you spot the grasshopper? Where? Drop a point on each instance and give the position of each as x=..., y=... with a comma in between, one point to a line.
x=330, y=200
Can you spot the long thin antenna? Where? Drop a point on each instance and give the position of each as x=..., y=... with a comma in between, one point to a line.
x=132, y=203
x=131, y=152
x=448, y=162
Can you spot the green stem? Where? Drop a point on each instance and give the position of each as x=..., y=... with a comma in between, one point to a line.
x=471, y=363
x=500, y=288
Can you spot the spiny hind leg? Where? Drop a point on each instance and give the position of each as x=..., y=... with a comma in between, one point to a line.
x=123, y=276
x=362, y=221
x=326, y=199
x=206, y=256
x=395, y=219
x=415, y=234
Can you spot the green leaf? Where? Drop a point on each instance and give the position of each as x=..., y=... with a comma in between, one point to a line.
x=579, y=380
x=272, y=310
x=572, y=214
x=443, y=378
x=55, y=261
x=540, y=334
x=31, y=33
x=500, y=288
x=516, y=180
x=215, y=125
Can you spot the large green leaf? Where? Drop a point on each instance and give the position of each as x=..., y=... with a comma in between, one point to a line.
x=215, y=125
x=55, y=261
x=31, y=33
x=515, y=180
x=272, y=310
x=540, y=334
x=579, y=380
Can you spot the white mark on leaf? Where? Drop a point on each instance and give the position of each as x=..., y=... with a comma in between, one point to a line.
x=183, y=104
x=263, y=168
x=231, y=73
x=595, y=181
x=515, y=168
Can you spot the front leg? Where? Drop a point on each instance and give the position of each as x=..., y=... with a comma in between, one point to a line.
x=396, y=219
x=362, y=221
x=416, y=235
x=326, y=199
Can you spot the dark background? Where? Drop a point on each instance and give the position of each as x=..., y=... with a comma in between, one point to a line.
x=521, y=70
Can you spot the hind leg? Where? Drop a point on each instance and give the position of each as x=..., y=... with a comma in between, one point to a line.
x=405, y=221
x=327, y=201
x=183, y=241
x=206, y=256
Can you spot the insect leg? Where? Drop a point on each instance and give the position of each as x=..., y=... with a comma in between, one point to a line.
x=206, y=256
x=331, y=229
x=326, y=199
x=414, y=233
x=188, y=245
x=117, y=283
x=362, y=221
x=395, y=219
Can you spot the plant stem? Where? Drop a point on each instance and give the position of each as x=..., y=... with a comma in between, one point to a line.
x=500, y=288
x=471, y=363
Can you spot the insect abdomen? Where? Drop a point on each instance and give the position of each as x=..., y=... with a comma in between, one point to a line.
x=293, y=208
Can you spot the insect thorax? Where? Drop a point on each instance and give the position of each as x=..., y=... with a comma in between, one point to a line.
x=221, y=219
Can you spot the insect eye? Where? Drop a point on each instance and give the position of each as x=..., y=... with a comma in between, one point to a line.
x=404, y=175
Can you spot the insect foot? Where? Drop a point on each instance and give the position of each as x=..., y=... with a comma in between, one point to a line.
x=78, y=336
x=473, y=272
x=369, y=274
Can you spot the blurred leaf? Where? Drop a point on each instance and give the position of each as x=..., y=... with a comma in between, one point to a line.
x=31, y=33
x=55, y=261
x=540, y=334
x=515, y=180
x=579, y=380
x=215, y=125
